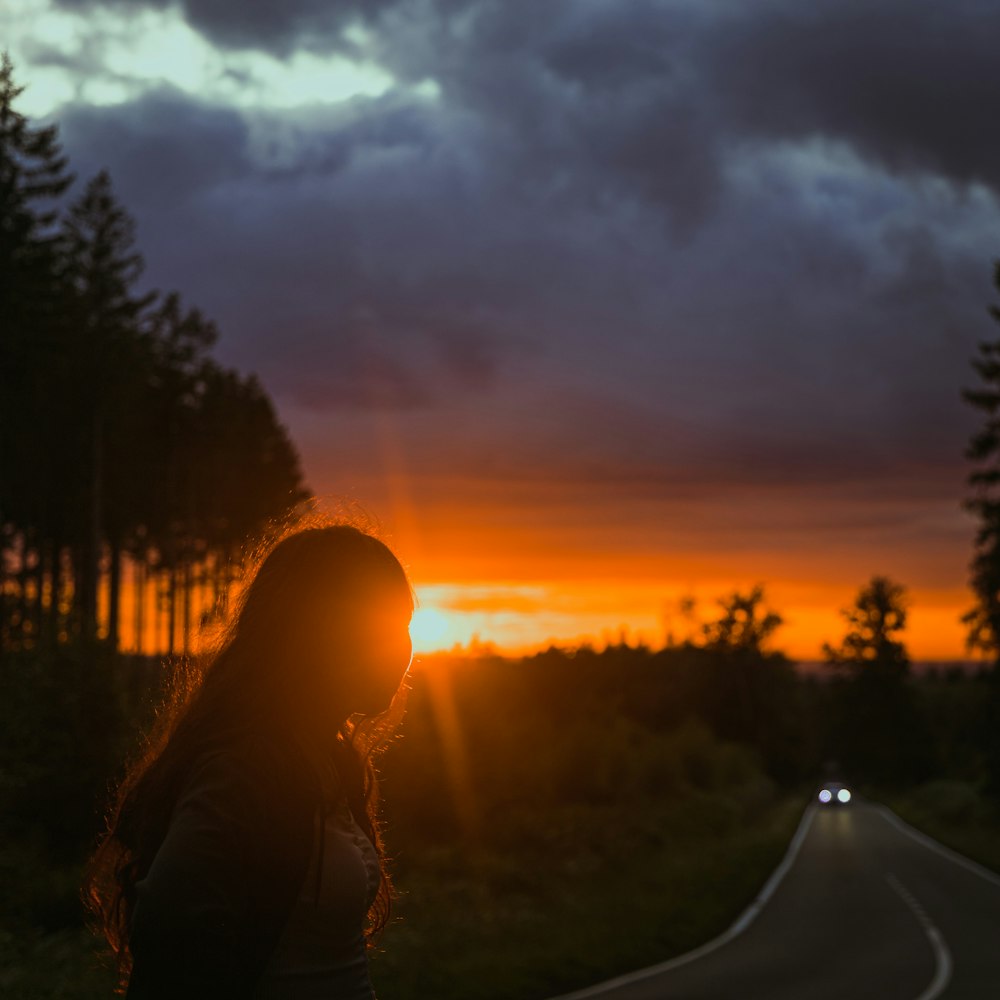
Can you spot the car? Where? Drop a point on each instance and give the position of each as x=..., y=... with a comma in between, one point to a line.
x=833, y=793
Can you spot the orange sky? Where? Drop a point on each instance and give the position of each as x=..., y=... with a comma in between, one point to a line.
x=520, y=564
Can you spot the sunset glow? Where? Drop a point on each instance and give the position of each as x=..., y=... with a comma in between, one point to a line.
x=519, y=618
x=582, y=363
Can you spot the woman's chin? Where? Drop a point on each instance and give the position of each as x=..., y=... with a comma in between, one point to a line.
x=371, y=708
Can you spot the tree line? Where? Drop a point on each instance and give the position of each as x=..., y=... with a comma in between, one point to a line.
x=132, y=462
x=133, y=465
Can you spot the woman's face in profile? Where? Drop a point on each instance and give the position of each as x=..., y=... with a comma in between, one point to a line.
x=368, y=652
x=381, y=656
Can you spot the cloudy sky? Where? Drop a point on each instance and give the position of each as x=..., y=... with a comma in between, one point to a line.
x=594, y=304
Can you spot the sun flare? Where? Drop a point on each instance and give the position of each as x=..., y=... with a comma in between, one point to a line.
x=429, y=630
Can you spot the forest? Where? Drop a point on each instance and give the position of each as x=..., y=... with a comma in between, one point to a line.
x=135, y=466
x=553, y=796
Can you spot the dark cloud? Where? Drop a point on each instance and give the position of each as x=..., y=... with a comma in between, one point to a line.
x=906, y=83
x=263, y=222
x=277, y=27
x=164, y=148
x=385, y=354
x=909, y=83
x=663, y=247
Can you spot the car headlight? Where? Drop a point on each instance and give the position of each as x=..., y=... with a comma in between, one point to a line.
x=825, y=795
x=844, y=796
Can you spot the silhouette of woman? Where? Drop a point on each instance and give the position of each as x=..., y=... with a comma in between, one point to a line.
x=243, y=855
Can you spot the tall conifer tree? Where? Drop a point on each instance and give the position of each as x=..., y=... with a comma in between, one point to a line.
x=101, y=267
x=983, y=620
x=33, y=177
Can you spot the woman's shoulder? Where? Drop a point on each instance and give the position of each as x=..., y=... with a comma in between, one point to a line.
x=264, y=753
x=224, y=877
x=251, y=778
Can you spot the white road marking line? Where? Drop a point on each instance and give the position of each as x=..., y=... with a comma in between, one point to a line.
x=946, y=852
x=742, y=922
x=942, y=957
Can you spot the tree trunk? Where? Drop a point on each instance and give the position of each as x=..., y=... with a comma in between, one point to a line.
x=35, y=599
x=23, y=630
x=114, y=592
x=61, y=590
x=186, y=597
x=171, y=610
x=48, y=573
x=139, y=591
x=88, y=573
x=4, y=608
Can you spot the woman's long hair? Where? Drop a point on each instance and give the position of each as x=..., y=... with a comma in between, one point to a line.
x=265, y=655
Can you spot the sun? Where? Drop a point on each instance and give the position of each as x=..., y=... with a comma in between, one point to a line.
x=429, y=629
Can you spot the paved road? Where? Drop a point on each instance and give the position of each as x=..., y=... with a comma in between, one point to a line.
x=867, y=909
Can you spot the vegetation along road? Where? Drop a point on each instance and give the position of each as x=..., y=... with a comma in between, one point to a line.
x=863, y=906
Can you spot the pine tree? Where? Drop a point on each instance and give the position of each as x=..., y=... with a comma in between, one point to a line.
x=33, y=177
x=120, y=436
x=101, y=268
x=983, y=620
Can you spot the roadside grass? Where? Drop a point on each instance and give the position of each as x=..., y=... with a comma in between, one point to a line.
x=65, y=965
x=956, y=814
x=589, y=894
x=595, y=893
x=44, y=950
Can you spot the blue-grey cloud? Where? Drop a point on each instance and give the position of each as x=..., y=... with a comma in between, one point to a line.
x=636, y=243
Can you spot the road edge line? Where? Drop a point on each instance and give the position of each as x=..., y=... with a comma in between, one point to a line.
x=935, y=845
x=742, y=922
x=942, y=956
